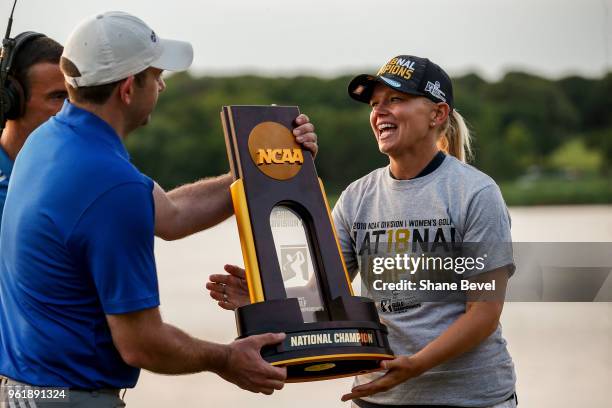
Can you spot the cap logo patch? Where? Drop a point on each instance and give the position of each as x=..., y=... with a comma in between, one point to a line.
x=153, y=37
x=400, y=67
x=359, y=90
x=434, y=89
x=391, y=82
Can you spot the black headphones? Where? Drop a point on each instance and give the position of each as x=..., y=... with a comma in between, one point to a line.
x=12, y=96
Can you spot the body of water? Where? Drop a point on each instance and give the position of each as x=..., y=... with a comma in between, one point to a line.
x=562, y=351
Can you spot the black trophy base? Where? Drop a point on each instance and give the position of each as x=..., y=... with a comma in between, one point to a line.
x=353, y=342
x=322, y=363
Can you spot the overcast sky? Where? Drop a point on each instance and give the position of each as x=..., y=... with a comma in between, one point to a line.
x=548, y=37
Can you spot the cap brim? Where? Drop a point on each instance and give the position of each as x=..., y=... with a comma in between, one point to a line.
x=361, y=87
x=176, y=55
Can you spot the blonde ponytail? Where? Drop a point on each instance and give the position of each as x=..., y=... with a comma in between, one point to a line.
x=455, y=138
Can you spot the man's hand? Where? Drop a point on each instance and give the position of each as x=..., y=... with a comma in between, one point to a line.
x=230, y=291
x=305, y=134
x=144, y=340
x=399, y=369
x=248, y=370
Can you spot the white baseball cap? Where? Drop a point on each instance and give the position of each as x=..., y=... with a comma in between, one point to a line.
x=112, y=46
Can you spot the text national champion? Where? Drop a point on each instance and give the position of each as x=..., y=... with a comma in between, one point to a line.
x=331, y=338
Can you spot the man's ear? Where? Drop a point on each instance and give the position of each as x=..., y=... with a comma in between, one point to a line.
x=126, y=90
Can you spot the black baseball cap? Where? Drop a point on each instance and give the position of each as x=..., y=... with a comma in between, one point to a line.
x=408, y=74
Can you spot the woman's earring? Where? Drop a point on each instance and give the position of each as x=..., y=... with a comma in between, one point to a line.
x=433, y=124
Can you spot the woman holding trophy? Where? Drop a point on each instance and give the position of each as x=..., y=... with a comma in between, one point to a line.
x=448, y=353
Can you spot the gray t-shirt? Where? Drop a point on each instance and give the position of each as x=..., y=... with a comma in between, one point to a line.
x=454, y=203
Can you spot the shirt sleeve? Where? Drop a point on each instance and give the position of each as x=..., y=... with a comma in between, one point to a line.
x=343, y=230
x=487, y=230
x=115, y=240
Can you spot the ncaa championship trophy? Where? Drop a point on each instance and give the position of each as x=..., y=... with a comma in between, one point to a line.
x=298, y=283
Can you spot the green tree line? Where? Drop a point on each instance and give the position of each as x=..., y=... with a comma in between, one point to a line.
x=529, y=132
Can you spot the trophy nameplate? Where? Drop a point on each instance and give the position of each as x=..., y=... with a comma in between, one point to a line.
x=298, y=283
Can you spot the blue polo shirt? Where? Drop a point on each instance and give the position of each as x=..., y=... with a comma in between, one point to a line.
x=76, y=245
x=6, y=167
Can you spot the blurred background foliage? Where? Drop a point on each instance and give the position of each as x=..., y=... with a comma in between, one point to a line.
x=543, y=141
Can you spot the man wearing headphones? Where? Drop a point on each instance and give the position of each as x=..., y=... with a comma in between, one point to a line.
x=32, y=90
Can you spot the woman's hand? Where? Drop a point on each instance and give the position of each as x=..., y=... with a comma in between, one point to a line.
x=399, y=369
x=481, y=318
x=230, y=291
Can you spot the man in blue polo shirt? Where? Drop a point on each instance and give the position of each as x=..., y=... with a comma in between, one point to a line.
x=36, y=71
x=78, y=286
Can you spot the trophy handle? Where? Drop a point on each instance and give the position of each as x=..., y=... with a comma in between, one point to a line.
x=247, y=245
